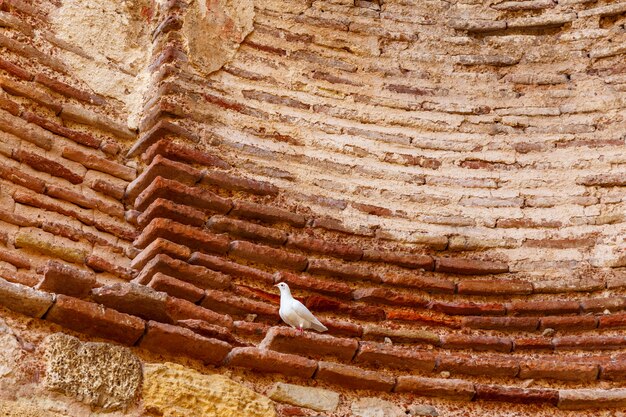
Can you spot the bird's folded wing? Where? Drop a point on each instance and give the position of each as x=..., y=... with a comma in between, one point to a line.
x=303, y=312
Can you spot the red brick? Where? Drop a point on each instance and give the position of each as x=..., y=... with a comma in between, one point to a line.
x=533, y=343
x=323, y=247
x=483, y=365
x=478, y=343
x=400, y=335
x=26, y=131
x=451, y=389
x=598, y=305
x=226, y=303
x=592, y=342
x=80, y=114
x=592, y=398
x=527, y=223
x=193, y=274
x=114, y=226
x=335, y=225
x=205, y=329
x=516, y=395
x=50, y=204
x=92, y=319
x=88, y=201
x=158, y=246
x=176, y=340
x=134, y=299
x=18, y=220
x=25, y=90
x=308, y=343
x=59, y=278
x=330, y=287
x=17, y=176
x=469, y=266
x=74, y=135
x=163, y=129
x=424, y=319
x=246, y=230
x=421, y=282
x=13, y=69
x=559, y=243
x=169, y=210
x=615, y=370
x=49, y=166
x=108, y=188
x=230, y=268
x=261, y=360
x=612, y=321
x=235, y=183
x=251, y=330
x=69, y=91
x=179, y=309
x=385, y=296
x=10, y=106
x=603, y=180
x=100, y=264
x=543, y=307
x=99, y=163
x=176, y=288
x=267, y=214
x=494, y=287
x=267, y=255
x=528, y=324
x=343, y=270
x=24, y=299
x=389, y=356
x=569, y=323
x=194, y=238
x=341, y=327
x=179, y=193
x=15, y=258
x=322, y=304
x=558, y=369
x=407, y=260
x=353, y=377
x=372, y=210
x=469, y=308
x=162, y=167
x=181, y=153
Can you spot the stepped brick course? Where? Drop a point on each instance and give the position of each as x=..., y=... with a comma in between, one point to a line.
x=442, y=184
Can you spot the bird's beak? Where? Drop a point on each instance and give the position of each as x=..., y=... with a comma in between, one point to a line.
x=276, y=285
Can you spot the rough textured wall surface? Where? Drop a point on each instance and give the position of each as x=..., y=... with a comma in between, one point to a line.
x=442, y=183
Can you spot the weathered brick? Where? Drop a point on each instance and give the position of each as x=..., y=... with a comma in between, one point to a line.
x=342, y=270
x=598, y=305
x=478, y=343
x=107, y=188
x=246, y=230
x=47, y=203
x=320, y=304
x=10, y=106
x=543, y=307
x=16, y=70
x=288, y=340
x=236, y=183
x=99, y=163
x=194, y=238
x=134, y=299
x=15, y=258
x=262, y=360
x=264, y=213
x=400, y=335
x=178, y=309
x=79, y=137
x=385, y=296
x=158, y=246
x=59, y=278
x=568, y=323
x=578, y=399
x=24, y=300
x=25, y=90
x=175, y=340
x=591, y=342
x=516, y=395
x=558, y=369
x=389, y=356
x=612, y=321
x=603, y=180
x=353, y=377
x=205, y=329
x=407, y=260
x=179, y=193
x=469, y=266
x=164, y=128
x=49, y=166
x=166, y=209
x=267, y=255
x=16, y=175
x=194, y=274
x=175, y=287
x=87, y=117
x=614, y=370
x=469, y=308
x=451, y=389
x=330, y=287
x=483, y=365
x=68, y=91
x=533, y=343
x=494, y=287
x=230, y=268
x=421, y=282
x=162, y=167
x=226, y=303
x=50, y=245
x=324, y=247
x=92, y=319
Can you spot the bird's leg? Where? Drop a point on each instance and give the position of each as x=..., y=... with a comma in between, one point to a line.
x=300, y=330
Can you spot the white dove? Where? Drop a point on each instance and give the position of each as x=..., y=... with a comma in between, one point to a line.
x=294, y=313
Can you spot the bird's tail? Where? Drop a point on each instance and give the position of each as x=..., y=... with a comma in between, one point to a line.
x=316, y=325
